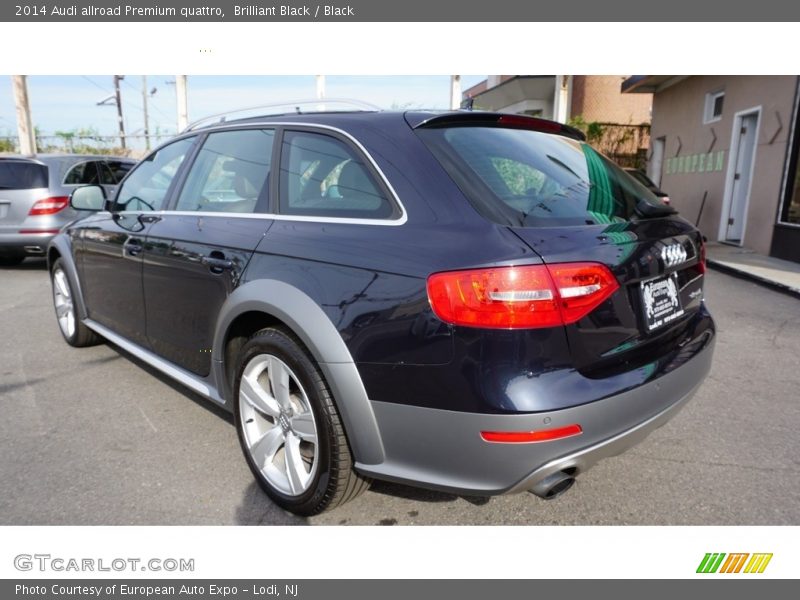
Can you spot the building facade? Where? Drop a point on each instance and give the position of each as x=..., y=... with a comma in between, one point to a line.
x=597, y=98
x=594, y=98
x=725, y=149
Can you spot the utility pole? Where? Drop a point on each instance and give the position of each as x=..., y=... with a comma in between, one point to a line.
x=561, y=98
x=25, y=131
x=183, y=102
x=455, y=92
x=144, y=106
x=320, y=87
x=118, y=97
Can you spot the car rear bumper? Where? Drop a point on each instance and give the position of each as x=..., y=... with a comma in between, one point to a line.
x=444, y=450
x=32, y=244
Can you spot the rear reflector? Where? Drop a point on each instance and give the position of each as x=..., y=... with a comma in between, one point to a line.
x=529, y=296
x=48, y=231
x=49, y=206
x=531, y=437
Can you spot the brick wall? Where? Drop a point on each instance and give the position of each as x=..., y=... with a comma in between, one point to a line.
x=598, y=98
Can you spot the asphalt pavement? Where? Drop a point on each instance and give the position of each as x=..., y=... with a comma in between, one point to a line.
x=94, y=437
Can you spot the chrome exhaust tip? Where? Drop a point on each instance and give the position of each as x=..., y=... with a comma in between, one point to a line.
x=553, y=486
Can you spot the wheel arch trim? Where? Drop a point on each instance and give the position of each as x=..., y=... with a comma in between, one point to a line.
x=309, y=322
x=61, y=243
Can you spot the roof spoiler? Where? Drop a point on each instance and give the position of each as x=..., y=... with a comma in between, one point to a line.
x=476, y=119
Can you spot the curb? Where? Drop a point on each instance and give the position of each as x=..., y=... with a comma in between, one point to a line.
x=742, y=274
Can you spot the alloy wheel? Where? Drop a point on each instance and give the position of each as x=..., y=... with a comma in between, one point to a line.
x=279, y=428
x=65, y=309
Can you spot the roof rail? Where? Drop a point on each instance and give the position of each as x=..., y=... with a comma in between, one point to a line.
x=290, y=106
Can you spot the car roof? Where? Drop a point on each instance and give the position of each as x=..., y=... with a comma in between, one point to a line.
x=331, y=118
x=412, y=119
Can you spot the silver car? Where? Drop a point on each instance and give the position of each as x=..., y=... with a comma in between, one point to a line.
x=34, y=197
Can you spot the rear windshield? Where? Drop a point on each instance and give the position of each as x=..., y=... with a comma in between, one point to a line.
x=528, y=178
x=19, y=175
x=641, y=178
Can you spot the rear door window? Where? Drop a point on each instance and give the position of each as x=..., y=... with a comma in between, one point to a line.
x=529, y=178
x=230, y=173
x=22, y=175
x=113, y=171
x=322, y=176
x=84, y=173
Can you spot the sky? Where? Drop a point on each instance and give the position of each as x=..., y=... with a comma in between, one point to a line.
x=66, y=103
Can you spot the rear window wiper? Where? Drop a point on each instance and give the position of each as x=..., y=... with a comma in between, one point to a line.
x=647, y=210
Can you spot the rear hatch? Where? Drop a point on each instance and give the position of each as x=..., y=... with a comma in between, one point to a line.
x=572, y=205
x=658, y=266
x=22, y=183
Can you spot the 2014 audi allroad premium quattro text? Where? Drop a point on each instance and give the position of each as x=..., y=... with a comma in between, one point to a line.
x=472, y=302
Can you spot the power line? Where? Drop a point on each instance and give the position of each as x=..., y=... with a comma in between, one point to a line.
x=153, y=104
x=107, y=91
x=97, y=85
x=128, y=102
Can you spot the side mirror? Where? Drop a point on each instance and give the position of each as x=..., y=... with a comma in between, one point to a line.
x=88, y=197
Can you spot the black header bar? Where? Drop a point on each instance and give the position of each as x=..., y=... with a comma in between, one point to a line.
x=401, y=11
x=397, y=589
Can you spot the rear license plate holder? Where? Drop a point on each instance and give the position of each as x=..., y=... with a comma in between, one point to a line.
x=661, y=301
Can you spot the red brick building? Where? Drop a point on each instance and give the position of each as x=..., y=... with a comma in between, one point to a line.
x=594, y=98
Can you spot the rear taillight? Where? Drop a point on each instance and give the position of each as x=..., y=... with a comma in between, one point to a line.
x=581, y=287
x=49, y=206
x=524, y=297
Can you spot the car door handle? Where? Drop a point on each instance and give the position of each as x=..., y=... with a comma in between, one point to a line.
x=217, y=264
x=132, y=247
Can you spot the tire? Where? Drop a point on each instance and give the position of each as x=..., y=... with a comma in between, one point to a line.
x=293, y=440
x=74, y=331
x=11, y=260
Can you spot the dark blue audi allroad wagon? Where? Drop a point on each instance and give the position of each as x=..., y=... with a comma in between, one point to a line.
x=473, y=302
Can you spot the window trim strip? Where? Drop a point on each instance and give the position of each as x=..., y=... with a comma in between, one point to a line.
x=401, y=220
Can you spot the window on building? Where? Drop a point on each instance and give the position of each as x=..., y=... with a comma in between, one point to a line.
x=713, y=108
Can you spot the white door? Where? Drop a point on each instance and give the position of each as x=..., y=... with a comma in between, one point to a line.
x=657, y=160
x=745, y=149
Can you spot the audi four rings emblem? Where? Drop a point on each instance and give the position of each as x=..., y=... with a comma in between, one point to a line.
x=673, y=254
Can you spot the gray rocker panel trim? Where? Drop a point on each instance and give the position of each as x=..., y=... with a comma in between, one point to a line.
x=308, y=321
x=193, y=382
x=61, y=242
x=443, y=450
